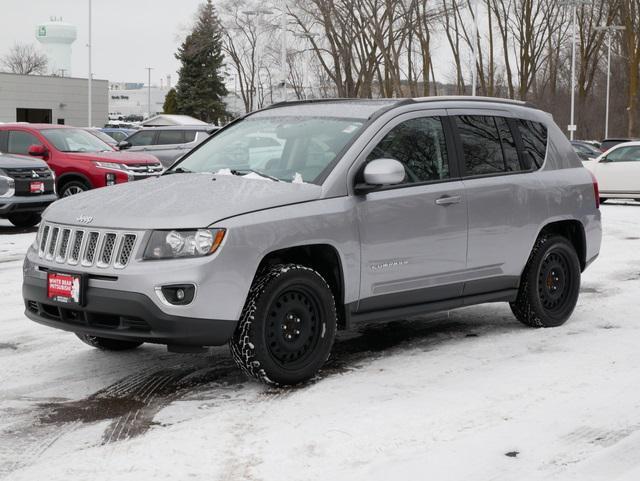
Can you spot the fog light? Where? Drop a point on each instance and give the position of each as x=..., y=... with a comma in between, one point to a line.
x=177, y=295
x=111, y=179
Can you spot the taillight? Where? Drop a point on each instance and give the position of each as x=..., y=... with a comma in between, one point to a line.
x=596, y=191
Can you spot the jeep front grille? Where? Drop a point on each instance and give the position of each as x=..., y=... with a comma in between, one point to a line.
x=88, y=247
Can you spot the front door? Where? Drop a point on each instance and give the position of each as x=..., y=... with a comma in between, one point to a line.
x=413, y=235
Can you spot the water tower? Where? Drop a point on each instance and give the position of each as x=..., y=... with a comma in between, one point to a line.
x=56, y=38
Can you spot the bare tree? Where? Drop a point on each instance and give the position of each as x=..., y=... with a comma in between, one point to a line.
x=630, y=18
x=24, y=59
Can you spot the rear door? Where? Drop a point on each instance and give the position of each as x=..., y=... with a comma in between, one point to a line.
x=500, y=192
x=619, y=171
x=413, y=235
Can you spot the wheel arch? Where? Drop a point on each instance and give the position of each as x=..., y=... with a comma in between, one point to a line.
x=69, y=176
x=573, y=231
x=323, y=258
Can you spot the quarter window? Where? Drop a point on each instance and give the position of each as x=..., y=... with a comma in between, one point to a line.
x=19, y=142
x=534, y=142
x=419, y=144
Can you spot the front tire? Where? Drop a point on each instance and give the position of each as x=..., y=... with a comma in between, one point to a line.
x=550, y=284
x=73, y=187
x=287, y=327
x=24, y=219
x=106, y=344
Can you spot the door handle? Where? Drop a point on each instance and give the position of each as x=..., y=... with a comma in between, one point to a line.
x=448, y=200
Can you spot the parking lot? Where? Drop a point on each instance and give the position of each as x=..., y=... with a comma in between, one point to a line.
x=471, y=394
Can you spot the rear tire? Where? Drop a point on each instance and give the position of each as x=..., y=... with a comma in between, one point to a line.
x=107, y=344
x=287, y=327
x=73, y=187
x=550, y=283
x=24, y=219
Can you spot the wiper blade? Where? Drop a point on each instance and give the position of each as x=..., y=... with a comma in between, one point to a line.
x=247, y=171
x=179, y=170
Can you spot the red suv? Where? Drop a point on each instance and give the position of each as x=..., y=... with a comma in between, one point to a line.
x=80, y=160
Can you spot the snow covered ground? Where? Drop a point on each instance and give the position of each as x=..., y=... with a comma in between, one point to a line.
x=469, y=395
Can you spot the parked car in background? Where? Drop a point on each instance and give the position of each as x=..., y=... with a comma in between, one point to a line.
x=117, y=124
x=167, y=144
x=618, y=172
x=369, y=210
x=606, y=144
x=118, y=134
x=26, y=189
x=102, y=136
x=80, y=160
x=585, y=150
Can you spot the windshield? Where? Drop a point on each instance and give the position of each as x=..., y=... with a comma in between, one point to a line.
x=284, y=148
x=75, y=140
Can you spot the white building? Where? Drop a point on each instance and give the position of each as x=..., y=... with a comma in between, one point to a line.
x=51, y=99
x=132, y=99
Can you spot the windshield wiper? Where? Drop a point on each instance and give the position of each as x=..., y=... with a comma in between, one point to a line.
x=247, y=171
x=179, y=170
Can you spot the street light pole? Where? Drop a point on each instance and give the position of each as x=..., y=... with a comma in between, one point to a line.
x=574, y=7
x=149, y=69
x=610, y=30
x=89, y=77
x=474, y=45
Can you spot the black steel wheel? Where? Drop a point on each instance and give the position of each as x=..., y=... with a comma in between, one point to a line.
x=287, y=327
x=550, y=284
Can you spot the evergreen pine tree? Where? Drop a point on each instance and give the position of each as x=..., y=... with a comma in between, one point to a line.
x=201, y=88
x=170, y=105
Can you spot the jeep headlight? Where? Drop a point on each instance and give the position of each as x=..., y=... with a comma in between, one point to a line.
x=7, y=185
x=171, y=244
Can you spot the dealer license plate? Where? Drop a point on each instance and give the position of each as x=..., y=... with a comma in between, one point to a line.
x=36, y=187
x=64, y=287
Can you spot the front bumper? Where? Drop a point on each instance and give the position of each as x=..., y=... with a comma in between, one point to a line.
x=15, y=204
x=122, y=315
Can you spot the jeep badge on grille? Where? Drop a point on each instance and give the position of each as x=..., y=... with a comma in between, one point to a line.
x=84, y=219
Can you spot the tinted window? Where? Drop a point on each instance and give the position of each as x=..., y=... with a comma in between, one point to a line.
x=420, y=145
x=509, y=150
x=142, y=138
x=19, y=142
x=624, y=154
x=3, y=140
x=480, y=145
x=166, y=137
x=534, y=140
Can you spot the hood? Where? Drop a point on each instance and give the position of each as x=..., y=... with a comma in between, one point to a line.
x=20, y=162
x=115, y=156
x=177, y=201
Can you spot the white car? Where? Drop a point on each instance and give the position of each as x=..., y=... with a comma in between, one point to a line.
x=618, y=172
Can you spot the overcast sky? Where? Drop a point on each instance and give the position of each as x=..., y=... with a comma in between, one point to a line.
x=128, y=35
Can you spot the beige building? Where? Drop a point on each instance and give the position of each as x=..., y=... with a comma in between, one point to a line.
x=52, y=100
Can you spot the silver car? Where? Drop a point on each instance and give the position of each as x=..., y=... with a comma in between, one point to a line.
x=365, y=210
x=167, y=144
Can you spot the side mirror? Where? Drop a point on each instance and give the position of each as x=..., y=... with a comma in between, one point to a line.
x=381, y=172
x=38, y=151
x=122, y=145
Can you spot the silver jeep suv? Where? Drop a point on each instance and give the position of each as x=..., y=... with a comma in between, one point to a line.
x=303, y=218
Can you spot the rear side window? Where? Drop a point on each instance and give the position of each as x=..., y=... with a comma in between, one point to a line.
x=534, y=141
x=190, y=135
x=419, y=144
x=3, y=141
x=481, y=145
x=509, y=150
x=166, y=137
